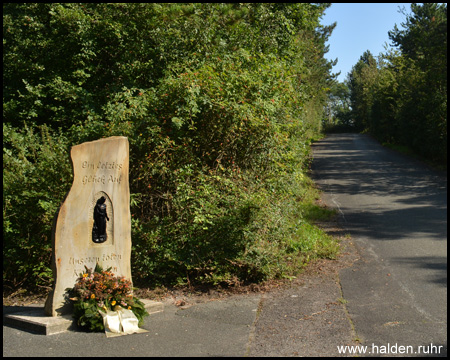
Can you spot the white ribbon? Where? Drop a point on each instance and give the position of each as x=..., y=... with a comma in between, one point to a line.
x=121, y=322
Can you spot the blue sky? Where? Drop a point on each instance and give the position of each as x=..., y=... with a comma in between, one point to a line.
x=360, y=27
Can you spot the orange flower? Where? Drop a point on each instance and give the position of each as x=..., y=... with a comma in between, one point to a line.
x=93, y=296
x=113, y=302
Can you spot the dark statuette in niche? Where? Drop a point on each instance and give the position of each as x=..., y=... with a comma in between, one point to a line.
x=100, y=217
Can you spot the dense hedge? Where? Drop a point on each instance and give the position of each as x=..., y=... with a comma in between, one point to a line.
x=219, y=103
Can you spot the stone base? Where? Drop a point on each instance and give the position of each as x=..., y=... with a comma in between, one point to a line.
x=34, y=319
x=153, y=306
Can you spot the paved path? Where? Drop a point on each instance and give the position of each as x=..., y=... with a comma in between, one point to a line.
x=396, y=211
x=216, y=328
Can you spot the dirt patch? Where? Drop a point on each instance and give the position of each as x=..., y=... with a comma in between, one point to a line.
x=21, y=298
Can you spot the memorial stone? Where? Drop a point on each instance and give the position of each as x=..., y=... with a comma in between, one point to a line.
x=93, y=225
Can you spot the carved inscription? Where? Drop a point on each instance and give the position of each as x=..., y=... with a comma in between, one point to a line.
x=104, y=165
x=90, y=261
x=102, y=178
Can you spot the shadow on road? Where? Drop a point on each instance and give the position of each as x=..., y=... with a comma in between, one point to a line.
x=384, y=181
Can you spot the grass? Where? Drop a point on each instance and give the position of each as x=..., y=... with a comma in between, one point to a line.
x=285, y=238
x=400, y=148
x=304, y=240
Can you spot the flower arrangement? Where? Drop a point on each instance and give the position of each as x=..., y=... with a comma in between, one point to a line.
x=100, y=290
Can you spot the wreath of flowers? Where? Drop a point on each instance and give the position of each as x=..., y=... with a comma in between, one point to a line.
x=100, y=290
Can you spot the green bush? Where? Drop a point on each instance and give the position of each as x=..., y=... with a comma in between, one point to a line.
x=36, y=177
x=218, y=101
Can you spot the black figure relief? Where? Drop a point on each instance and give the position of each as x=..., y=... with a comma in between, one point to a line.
x=100, y=217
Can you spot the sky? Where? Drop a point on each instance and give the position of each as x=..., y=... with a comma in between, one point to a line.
x=360, y=27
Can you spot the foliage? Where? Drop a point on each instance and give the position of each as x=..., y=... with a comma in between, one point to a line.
x=402, y=98
x=36, y=175
x=219, y=103
x=338, y=111
x=100, y=290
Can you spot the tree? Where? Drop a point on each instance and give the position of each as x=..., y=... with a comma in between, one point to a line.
x=361, y=80
x=403, y=98
x=423, y=43
x=338, y=110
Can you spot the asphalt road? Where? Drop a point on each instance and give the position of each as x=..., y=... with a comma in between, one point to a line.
x=215, y=328
x=395, y=209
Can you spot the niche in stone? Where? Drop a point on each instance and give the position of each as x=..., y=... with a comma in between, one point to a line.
x=102, y=218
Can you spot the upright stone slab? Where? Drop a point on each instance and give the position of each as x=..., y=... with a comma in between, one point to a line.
x=94, y=223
